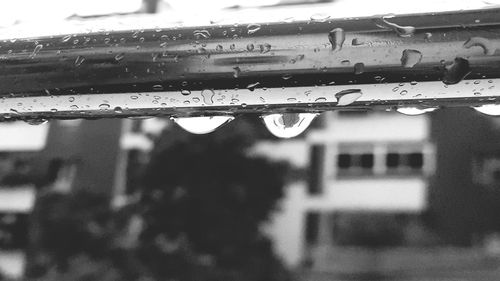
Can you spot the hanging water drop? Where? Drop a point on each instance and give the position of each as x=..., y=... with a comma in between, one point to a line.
x=288, y=125
x=202, y=124
x=347, y=97
x=37, y=121
x=489, y=109
x=414, y=110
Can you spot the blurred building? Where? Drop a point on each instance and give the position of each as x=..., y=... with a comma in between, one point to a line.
x=359, y=164
x=384, y=186
x=62, y=156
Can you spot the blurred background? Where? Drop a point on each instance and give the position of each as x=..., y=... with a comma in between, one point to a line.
x=358, y=196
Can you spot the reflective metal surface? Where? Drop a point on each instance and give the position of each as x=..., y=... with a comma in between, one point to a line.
x=429, y=60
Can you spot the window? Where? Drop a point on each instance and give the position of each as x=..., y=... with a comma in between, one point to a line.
x=317, y=156
x=380, y=159
x=312, y=227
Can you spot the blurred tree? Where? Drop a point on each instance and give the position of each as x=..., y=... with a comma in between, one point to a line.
x=204, y=201
x=197, y=217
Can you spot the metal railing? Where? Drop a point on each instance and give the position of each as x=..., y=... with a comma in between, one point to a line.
x=414, y=63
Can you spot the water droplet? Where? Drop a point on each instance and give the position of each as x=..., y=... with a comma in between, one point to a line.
x=403, y=92
x=427, y=36
x=336, y=37
x=456, y=71
x=252, y=86
x=74, y=107
x=66, y=38
x=118, y=110
x=79, y=60
x=345, y=62
x=487, y=45
x=236, y=72
x=119, y=56
x=320, y=17
x=71, y=99
x=36, y=50
x=403, y=31
x=37, y=121
x=288, y=125
x=346, y=97
x=359, y=68
x=185, y=92
x=286, y=76
x=410, y=58
x=158, y=87
x=265, y=48
x=357, y=42
x=232, y=47
x=134, y=97
x=104, y=106
x=414, y=110
x=201, y=34
x=208, y=96
x=219, y=48
x=321, y=99
x=203, y=124
x=250, y=47
x=489, y=109
x=252, y=28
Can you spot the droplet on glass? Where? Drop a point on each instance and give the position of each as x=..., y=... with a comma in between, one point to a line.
x=208, y=96
x=66, y=38
x=288, y=125
x=104, y=106
x=410, y=58
x=347, y=97
x=489, y=109
x=252, y=86
x=265, y=48
x=118, y=110
x=403, y=31
x=236, y=72
x=359, y=68
x=36, y=50
x=202, y=124
x=219, y=48
x=319, y=17
x=79, y=60
x=119, y=56
x=357, y=42
x=201, y=34
x=456, y=71
x=414, y=110
x=488, y=47
x=252, y=28
x=336, y=37
x=158, y=87
x=250, y=47
x=185, y=92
